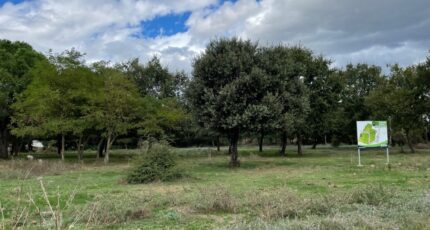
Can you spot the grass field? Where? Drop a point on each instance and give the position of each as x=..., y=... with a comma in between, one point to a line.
x=324, y=189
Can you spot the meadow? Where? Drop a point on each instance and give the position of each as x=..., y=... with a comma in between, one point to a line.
x=324, y=189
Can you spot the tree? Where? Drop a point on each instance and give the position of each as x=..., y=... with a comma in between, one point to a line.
x=357, y=81
x=403, y=99
x=153, y=79
x=222, y=88
x=118, y=108
x=324, y=89
x=287, y=67
x=17, y=60
x=263, y=117
x=57, y=102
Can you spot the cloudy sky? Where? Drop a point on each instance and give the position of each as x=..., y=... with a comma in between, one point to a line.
x=380, y=32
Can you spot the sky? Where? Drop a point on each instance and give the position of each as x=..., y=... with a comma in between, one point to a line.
x=379, y=32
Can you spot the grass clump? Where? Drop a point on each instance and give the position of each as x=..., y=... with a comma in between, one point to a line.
x=156, y=164
x=285, y=204
x=372, y=195
x=216, y=199
x=115, y=210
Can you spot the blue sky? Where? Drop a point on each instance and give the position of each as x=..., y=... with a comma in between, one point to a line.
x=165, y=25
x=170, y=24
x=377, y=32
x=11, y=1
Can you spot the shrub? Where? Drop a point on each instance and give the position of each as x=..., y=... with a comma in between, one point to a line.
x=156, y=164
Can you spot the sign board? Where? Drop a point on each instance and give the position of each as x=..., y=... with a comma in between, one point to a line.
x=371, y=134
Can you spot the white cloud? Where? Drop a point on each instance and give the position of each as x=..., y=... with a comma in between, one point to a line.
x=379, y=32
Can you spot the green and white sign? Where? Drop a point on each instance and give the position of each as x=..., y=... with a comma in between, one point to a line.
x=372, y=134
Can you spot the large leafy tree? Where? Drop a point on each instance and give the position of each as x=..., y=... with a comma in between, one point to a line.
x=287, y=67
x=357, y=81
x=118, y=107
x=57, y=102
x=324, y=90
x=16, y=61
x=224, y=85
x=163, y=92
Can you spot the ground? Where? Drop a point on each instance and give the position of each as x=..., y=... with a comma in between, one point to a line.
x=324, y=189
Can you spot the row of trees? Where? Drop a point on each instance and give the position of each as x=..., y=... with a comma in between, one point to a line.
x=237, y=90
x=59, y=97
x=238, y=87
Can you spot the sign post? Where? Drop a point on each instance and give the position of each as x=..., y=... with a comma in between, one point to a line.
x=370, y=135
x=359, y=158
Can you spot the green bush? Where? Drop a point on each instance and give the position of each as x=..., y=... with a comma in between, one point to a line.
x=156, y=164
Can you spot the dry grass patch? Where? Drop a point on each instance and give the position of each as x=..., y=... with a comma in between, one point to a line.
x=24, y=169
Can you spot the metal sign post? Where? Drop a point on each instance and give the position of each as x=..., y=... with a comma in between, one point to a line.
x=388, y=156
x=359, y=158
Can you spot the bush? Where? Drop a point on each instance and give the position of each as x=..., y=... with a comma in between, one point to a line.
x=156, y=164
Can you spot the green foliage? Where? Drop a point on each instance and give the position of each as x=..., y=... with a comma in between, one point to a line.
x=226, y=83
x=16, y=61
x=157, y=164
x=324, y=95
x=223, y=85
x=162, y=117
x=403, y=99
x=153, y=79
x=57, y=101
x=118, y=104
x=358, y=81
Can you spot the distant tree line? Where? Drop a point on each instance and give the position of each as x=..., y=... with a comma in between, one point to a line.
x=237, y=90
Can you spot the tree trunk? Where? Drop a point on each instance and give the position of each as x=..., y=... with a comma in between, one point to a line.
x=314, y=145
x=100, y=148
x=109, y=142
x=408, y=140
x=299, y=144
x=59, y=143
x=63, y=143
x=260, y=141
x=4, y=135
x=16, y=146
x=283, y=143
x=80, y=148
x=426, y=136
x=234, y=139
x=30, y=145
x=217, y=144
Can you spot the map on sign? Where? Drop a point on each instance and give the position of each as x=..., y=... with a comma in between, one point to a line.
x=372, y=134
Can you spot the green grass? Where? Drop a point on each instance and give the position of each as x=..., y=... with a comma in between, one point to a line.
x=322, y=189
